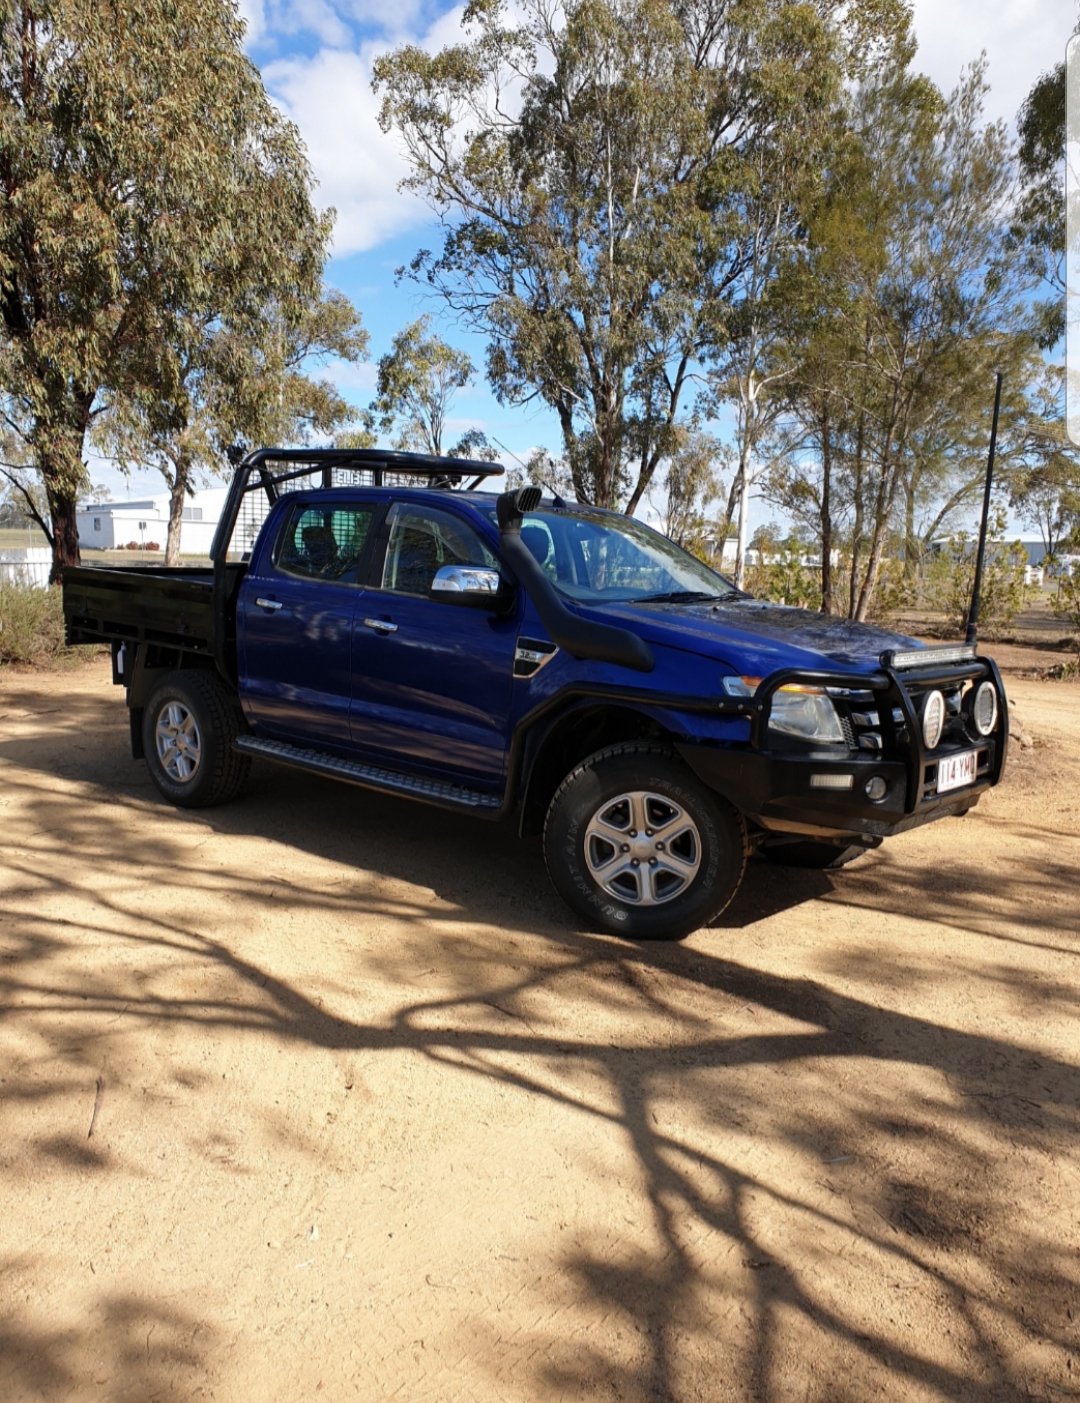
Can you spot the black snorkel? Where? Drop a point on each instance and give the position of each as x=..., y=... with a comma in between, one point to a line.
x=579, y=637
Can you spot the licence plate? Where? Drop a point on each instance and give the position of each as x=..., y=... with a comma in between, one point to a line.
x=954, y=771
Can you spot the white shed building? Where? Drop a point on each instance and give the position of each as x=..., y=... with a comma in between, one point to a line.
x=116, y=525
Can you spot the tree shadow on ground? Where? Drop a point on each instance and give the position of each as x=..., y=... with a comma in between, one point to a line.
x=936, y=1219
x=130, y=1352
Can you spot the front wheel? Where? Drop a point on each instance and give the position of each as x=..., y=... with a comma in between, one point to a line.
x=189, y=726
x=636, y=845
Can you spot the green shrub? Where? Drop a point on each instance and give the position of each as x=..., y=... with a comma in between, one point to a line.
x=786, y=580
x=1066, y=604
x=31, y=625
x=1003, y=594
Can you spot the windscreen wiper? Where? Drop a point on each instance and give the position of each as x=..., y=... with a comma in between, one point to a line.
x=675, y=596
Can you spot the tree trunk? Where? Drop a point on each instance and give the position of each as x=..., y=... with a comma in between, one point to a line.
x=62, y=481
x=873, y=565
x=57, y=444
x=178, y=487
x=912, y=551
x=826, y=513
x=744, y=519
x=883, y=509
x=857, y=526
x=65, y=531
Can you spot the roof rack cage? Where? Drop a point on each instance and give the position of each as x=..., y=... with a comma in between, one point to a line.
x=274, y=470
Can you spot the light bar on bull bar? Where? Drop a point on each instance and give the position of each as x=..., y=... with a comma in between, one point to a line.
x=901, y=658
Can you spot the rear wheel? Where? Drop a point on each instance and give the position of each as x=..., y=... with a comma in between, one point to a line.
x=189, y=726
x=636, y=844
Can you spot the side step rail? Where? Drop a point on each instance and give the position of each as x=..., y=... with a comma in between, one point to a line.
x=432, y=791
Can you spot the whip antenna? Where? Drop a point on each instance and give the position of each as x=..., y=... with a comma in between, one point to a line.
x=980, y=556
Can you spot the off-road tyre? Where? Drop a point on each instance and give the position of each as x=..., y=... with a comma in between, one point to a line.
x=220, y=772
x=820, y=857
x=655, y=770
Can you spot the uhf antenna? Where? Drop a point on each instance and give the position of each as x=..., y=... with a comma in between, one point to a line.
x=980, y=556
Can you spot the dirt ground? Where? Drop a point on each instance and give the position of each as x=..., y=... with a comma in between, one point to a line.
x=371, y=1117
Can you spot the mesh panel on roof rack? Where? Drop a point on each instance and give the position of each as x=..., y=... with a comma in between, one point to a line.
x=296, y=477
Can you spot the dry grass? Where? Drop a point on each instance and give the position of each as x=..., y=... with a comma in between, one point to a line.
x=32, y=628
x=16, y=538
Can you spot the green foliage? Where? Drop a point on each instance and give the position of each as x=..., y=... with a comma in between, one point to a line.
x=418, y=379
x=355, y=438
x=544, y=470
x=262, y=389
x=1003, y=593
x=594, y=235
x=13, y=508
x=1039, y=225
x=781, y=576
x=899, y=587
x=246, y=378
x=31, y=625
x=916, y=299
x=691, y=484
x=1066, y=603
x=150, y=187
x=1042, y=468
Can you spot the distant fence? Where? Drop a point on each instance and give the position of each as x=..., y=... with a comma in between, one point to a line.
x=29, y=565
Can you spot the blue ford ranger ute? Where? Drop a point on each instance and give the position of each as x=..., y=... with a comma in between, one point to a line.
x=375, y=618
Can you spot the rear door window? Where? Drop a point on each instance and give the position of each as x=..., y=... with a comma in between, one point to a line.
x=325, y=542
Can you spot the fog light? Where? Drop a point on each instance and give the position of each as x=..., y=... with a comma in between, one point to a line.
x=876, y=789
x=985, y=711
x=933, y=719
x=831, y=781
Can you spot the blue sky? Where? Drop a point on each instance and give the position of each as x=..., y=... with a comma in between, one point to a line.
x=316, y=58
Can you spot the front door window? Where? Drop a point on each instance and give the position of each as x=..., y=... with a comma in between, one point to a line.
x=422, y=540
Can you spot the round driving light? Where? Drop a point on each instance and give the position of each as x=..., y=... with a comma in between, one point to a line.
x=985, y=711
x=933, y=719
x=876, y=789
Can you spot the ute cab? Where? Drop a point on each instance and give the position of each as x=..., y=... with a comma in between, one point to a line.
x=370, y=619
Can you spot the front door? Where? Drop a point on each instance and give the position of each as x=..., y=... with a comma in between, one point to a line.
x=431, y=680
x=296, y=615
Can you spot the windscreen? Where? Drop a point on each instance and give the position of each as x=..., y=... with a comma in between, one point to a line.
x=594, y=555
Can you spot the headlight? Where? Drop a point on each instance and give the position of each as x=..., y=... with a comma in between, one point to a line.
x=933, y=719
x=985, y=710
x=805, y=712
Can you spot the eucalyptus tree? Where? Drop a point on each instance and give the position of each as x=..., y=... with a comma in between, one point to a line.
x=1041, y=466
x=920, y=302
x=771, y=298
x=146, y=182
x=588, y=160
x=691, y=484
x=248, y=377
x=418, y=380
x=1039, y=226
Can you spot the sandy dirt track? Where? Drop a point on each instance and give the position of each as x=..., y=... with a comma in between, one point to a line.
x=373, y=1118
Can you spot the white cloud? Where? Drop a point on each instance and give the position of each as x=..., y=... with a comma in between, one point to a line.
x=350, y=375
x=359, y=169
x=318, y=17
x=254, y=16
x=329, y=98
x=1022, y=39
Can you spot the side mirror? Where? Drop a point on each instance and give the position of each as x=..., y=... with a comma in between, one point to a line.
x=475, y=586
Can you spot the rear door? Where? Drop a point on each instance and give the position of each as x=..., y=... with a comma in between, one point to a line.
x=431, y=680
x=295, y=621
